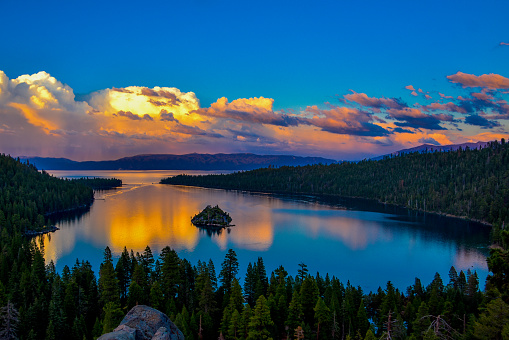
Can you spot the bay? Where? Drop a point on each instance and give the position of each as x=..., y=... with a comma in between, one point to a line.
x=361, y=241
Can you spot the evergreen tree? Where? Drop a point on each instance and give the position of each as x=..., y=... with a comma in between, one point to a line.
x=308, y=298
x=362, y=319
x=422, y=321
x=235, y=326
x=250, y=284
x=112, y=316
x=295, y=313
x=123, y=271
x=302, y=272
x=108, y=282
x=170, y=264
x=494, y=323
x=260, y=322
x=322, y=315
x=9, y=317
x=229, y=270
x=156, y=296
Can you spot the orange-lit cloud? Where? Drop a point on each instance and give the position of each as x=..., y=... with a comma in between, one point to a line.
x=252, y=110
x=344, y=120
x=39, y=115
x=444, y=107
x=491, y=81
x=35, y=119
x=415, y=118
x=376, y=103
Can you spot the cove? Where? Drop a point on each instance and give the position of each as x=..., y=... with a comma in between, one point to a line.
x=364, y=242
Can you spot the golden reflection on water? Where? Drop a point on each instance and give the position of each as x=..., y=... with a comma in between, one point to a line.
x=158, y=215
x=142, y=213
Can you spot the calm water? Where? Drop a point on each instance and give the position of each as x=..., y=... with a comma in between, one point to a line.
x=368, y=244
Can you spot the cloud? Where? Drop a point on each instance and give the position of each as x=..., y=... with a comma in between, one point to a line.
x=121, y=90
x=167, y=116
x=451, y=107
x=343, y=120
x=414, y=94
x=253, y=110
x=415, y=118
x=377, y=103
x=401, y=130
x=504, y=44
x=130, y=115
x=34, y=118
x=429, y=140
x=143, y=100
x=40, y=115
x=444, y=96
x=491, y=81
x=481, y=121
x=39, y=91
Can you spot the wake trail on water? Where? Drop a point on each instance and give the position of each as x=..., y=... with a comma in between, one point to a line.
x=122, y=191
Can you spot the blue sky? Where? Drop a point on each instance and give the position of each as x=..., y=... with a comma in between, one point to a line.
x=299, y=54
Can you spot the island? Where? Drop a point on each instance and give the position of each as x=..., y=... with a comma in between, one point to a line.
x=213, y=217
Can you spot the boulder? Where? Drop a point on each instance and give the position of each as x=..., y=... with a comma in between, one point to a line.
x=145, y=323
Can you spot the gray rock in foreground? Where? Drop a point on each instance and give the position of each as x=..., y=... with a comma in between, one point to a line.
x=145, y=323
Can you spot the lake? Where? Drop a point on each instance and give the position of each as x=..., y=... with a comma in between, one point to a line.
x=357, y=240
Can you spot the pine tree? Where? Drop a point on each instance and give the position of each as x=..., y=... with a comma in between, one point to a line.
x=123, y=271
x=295, y=314
x=108, y=282
x=170, y=277
x=147, y=261
x=302, y=272
x=229, y=270
x=9, y=317
x=112, y=316
x=308, y=297
x=250, y=284
x=260, y=322
x=494, y=321
x=322, y=315
x=370, y=335
x=362, y=319
x=156, y=296
x=235, y=324
x=422, y=321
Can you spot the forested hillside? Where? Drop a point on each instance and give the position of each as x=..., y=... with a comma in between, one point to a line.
x=466, y=183
x=29, y=196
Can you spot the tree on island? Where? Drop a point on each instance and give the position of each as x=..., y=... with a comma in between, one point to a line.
x=212, y=216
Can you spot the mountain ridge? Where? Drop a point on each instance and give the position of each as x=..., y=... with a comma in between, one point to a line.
x=193, y=161
x=432, y=148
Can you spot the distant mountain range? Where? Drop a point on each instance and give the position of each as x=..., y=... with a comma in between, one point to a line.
x=433, y=148
x=193, y=161
x=220, y=161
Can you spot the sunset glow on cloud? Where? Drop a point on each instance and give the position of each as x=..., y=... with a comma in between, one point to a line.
x=41, y=116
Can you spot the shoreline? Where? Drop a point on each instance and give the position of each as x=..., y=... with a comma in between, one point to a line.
x=285, y=194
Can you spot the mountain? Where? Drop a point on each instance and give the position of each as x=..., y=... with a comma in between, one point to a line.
x=433, y=148
x=193, y=161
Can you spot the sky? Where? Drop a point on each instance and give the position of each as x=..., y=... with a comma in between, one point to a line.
x=102, y=80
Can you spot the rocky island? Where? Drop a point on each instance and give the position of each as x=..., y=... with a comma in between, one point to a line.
x=212, y=217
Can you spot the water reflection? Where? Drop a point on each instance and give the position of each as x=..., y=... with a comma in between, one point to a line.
x=342, y=237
